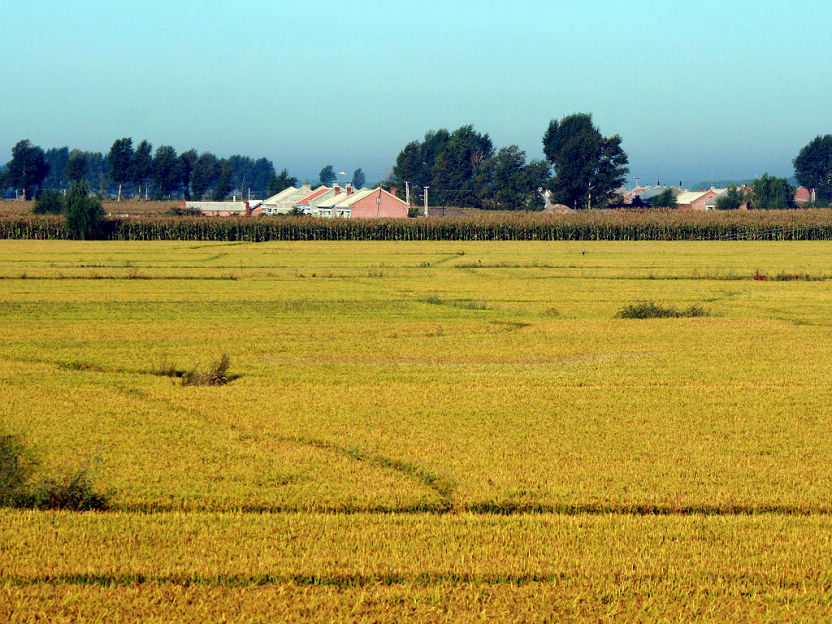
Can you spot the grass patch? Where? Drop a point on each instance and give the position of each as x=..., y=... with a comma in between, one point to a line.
x=654, y=310
x=464, y=304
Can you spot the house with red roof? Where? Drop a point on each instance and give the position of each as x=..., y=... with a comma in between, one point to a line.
x=630, y=195
x=309, y=202
x=696, y=200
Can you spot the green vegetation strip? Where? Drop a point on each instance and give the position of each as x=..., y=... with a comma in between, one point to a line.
x=584, y=225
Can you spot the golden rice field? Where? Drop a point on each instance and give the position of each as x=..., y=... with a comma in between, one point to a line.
x=434, y=431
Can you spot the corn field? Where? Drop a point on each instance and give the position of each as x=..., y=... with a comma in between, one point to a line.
x=581, y=226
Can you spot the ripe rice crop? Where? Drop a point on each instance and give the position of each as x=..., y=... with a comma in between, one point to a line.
x=409, y=430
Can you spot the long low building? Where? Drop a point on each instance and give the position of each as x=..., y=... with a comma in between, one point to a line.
x=364, y=204
x=335, y=202
x=323, y=201
x=225, y=208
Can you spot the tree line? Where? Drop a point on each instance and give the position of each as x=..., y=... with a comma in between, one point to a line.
x=140, y=172
x=582, y=168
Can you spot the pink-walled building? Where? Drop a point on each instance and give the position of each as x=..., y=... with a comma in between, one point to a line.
x=803, y=196
x=695, y=200
x=372, y=204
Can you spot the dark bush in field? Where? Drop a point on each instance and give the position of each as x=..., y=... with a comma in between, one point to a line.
x=74, y=492
x=653, y=310
x=49, y=202
x=216, y=375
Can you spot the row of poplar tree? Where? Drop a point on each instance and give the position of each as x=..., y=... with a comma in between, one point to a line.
x=139, y=171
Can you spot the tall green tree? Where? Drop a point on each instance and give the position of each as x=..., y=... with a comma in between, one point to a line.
x=249, y=174
x=410, y=168
x=57, y=159
x=184, y=170
x=27, y=169
x=204, y=174
x=223, y=185
x=141, y=165
x=281, y=182
x=813, y=167
x=415, y=164
x=588, y=166
x=458, y=172
x=76, y=166
x=358, y=178
x=164, y=171
x=119, y=159
x=771, y=193
x=327, y=175
x=83, y=215
x=514, y=184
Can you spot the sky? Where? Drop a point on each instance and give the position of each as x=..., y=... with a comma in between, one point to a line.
x=698, y=91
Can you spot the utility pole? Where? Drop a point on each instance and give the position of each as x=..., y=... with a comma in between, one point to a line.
x=407, y=193
x=426, y=200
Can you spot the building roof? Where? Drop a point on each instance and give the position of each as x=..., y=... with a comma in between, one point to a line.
x=350, y=200
x=688, y=197
x=313, y=196
x=802, y=194
x=650, y=193
x=329, y=202
x=284, y=195
x=636, y=191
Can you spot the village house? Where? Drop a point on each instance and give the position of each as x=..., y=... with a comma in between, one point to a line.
x=696, y=200
x=285, y=200
x=326, y=207
x=372, y=204
x=307, y=204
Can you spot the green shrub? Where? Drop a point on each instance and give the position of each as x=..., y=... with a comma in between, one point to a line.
x=48, y=202
x=83, y=215
x=73, y=492
x=653, y=310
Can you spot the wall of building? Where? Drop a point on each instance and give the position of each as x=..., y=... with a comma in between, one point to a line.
x=389, y=208
x=700, y=204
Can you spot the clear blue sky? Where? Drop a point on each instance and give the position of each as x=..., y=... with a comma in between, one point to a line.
x=729, y=87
